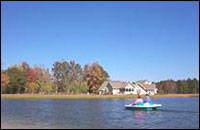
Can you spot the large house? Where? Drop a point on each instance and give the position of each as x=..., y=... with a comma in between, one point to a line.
x=119, y=87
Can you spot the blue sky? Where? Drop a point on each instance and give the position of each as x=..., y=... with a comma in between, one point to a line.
x=131, y=40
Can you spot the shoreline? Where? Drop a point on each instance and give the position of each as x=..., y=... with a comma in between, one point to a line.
x=81, y=96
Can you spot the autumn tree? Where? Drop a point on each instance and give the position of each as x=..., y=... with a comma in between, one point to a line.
x=17, y=82
x=39, y=80
x=95, y=75
x=60, y=72
x=75, y=77
x=68, y=77
x=4, y=81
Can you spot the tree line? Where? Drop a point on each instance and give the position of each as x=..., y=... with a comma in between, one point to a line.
x=188, y=86
x=66, y=77
x=71, y=78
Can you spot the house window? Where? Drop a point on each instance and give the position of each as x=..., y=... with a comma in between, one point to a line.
x=126, y=90
x=129, y=89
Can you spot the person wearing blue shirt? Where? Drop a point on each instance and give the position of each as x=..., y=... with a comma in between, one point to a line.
x=147, y=98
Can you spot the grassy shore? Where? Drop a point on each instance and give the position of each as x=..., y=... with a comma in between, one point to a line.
x=62, y=96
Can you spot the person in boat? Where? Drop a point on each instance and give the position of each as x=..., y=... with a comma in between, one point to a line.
x=147, y=98
x=139, y=100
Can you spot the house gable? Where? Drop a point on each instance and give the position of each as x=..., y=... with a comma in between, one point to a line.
x=109, y=87
x=139, y=89
x=129, y=85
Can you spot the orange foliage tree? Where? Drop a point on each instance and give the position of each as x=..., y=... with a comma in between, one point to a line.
x=4, y=81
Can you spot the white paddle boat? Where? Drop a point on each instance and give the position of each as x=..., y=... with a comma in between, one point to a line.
x=144, y=106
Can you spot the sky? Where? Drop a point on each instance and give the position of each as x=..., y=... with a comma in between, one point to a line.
x=131, y=40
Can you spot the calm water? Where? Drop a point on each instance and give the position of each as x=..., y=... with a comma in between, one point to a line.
x=110, y=113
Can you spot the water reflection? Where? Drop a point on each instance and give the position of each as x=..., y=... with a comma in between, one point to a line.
x=146, y=114
x=181, y=111
x=88, y=114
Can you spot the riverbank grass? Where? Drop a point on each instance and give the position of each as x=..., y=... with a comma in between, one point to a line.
x=62, y=96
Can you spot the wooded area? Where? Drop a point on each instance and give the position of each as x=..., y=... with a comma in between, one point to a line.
x=71, y=78
x=188, y=86
x=66, y=77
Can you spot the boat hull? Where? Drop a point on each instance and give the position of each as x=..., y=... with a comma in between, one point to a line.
x=144, y=107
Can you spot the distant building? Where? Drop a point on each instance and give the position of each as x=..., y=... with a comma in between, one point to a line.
x=148, y=86
x=124, y=88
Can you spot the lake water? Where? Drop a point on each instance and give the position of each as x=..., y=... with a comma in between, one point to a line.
x=99, y=113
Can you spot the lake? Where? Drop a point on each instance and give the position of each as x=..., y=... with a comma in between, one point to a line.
x=177, y=113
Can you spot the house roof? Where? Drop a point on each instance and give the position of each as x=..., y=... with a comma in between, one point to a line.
x=122, y=84
x=148, y=86
x=114, y=84
x=118, y=84
x=141, y=81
